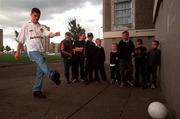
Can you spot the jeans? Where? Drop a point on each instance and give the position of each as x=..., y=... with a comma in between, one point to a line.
x=42, y=69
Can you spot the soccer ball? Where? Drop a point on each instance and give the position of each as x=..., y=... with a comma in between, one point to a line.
x=157, y=110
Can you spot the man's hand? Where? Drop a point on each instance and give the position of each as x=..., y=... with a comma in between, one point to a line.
x=79, y=49
x=51, y=34
x=17, y=55
x=57, y=34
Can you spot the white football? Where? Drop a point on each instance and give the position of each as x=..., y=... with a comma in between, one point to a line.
x=157, y=110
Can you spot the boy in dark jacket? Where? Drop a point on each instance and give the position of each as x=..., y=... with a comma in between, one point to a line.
x=126, y=49
x=78, y=58
x=140, y=63
x=154, y=58
x=89, y=54
x=66, y=48
x=99, y=60
x=114, y=64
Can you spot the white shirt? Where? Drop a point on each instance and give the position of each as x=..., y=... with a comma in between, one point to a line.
x=126, y=41
x=32, y=35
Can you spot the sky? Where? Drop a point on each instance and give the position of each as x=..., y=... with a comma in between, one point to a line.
x=54, y=13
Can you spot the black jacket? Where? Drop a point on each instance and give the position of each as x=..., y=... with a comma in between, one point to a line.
x=90, y=48
x=99, y=55
x=114, y=58
x=154, y=57
x=67, y=46
x=126, y=49
x=79, y=44
x=140, y=55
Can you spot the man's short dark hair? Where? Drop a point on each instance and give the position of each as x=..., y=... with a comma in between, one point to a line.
x=98, y=39
x=81, y=33
x=139, y=40
x=90, y=35
x=156, y=41
x=115, y=44
x=36, y=10
x=68, y=34
x=125, y=32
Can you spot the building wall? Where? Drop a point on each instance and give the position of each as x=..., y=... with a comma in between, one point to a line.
x=1, y=37
x=54, y=47
x=106, y=15
x=168, y=32
x=143, y=11
x=144, y=14
x=143, y=26
x=46, y=40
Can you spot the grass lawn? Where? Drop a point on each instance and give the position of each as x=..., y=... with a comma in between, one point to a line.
x=25, y=59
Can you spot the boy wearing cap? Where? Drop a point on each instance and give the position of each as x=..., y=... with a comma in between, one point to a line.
x=89, y=54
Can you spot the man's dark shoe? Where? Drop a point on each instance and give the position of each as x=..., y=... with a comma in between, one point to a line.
x=56, y=78
x=39, y=94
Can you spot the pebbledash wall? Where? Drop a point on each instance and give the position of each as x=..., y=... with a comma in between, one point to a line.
x=166, y=19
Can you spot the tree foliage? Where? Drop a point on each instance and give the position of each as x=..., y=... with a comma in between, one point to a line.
x=75, y=28
x=7, y=48
x=16, y=34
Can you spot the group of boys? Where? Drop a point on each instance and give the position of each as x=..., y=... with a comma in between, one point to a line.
x=85, y=58
x=146, y=62
x=88, y=56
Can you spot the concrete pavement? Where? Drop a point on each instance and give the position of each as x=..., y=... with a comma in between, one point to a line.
x=69, y=101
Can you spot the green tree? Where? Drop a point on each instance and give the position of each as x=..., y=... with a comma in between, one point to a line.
x=7, y=48
x=75, y=28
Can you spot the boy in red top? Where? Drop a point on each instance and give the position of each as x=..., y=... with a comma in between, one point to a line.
x=66, y=48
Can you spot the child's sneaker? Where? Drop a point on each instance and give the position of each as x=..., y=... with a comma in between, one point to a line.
x=112, y=81
x=153, y=86
x=74, y=81
x=117, y=82
x=130, y=83
x=122, y=84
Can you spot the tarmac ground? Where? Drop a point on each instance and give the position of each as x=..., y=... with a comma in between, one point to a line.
x=70, y=101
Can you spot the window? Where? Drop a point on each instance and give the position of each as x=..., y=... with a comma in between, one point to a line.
x=122, y=12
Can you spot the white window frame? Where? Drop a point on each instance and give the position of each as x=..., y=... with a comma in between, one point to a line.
x=122, y=26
